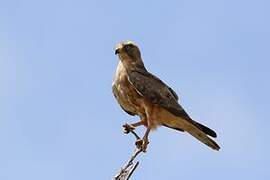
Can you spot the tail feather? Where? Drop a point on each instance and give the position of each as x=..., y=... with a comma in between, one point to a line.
x=207, y=130
x=201, y=136
x=197, y=130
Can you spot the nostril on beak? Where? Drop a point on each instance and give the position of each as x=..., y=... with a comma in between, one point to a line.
x=116, y=51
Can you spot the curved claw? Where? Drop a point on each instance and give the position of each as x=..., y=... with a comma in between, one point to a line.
x=142, y=144
x=127, y=128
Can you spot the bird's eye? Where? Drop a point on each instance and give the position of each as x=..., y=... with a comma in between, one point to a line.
x=128, y=47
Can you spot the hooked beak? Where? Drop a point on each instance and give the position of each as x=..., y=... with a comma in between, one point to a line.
x=116, y=51
x=118, y=48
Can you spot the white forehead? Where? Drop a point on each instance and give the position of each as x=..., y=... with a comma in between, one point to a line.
x=128, y=42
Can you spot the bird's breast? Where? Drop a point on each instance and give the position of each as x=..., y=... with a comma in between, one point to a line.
x=124, y=92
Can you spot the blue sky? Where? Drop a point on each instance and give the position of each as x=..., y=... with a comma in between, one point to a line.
x=59, y=120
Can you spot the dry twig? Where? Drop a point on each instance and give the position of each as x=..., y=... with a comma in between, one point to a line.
x=127, y=170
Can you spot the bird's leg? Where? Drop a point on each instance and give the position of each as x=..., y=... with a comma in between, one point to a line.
x=128, y=127
x=142, y=143
x=138, y=123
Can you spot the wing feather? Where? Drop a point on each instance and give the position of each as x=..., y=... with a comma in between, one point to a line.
x=156, y=91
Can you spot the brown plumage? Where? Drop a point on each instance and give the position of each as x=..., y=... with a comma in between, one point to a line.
x=141, y=93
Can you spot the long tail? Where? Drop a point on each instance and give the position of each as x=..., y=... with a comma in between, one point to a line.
x=196, y=129
x=201, y=136
x=206, y=129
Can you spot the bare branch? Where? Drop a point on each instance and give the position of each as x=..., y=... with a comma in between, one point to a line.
x=127, y=170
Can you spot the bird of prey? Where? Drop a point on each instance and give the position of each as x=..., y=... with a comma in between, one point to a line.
x=141, y=93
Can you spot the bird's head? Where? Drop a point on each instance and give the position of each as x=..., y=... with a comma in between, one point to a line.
x=128, y=52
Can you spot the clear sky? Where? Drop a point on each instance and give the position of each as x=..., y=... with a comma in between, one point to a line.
x=59, y=120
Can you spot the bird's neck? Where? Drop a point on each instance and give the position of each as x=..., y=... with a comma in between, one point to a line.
x=133, y=64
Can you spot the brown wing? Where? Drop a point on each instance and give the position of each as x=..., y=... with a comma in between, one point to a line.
x=156, y=91
x=159, y=93
x=145, y=72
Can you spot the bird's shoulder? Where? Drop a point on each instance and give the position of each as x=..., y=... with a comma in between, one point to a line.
x=152, y=81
